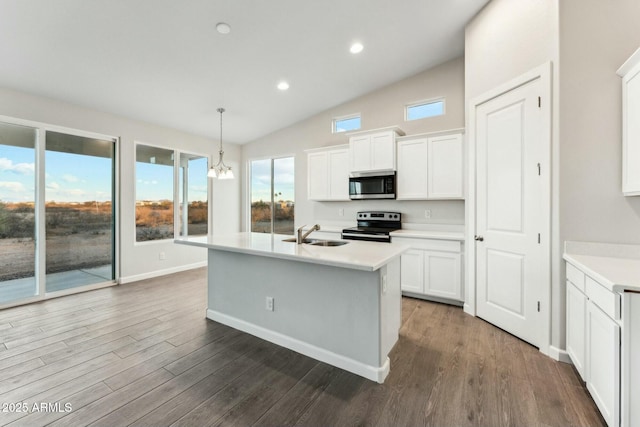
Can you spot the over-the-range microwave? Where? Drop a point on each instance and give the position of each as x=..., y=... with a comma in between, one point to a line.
x=372, y=185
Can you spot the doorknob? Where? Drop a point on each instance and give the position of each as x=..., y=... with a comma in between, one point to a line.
x=479, y=238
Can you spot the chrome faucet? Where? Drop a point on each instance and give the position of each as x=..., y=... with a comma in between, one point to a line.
x=300, y=237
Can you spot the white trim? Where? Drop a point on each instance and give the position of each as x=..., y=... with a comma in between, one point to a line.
x=158, y=273
x=544, y=73
x=373, y=373
x=559, y=354
x=71, y=291
x=55, y=128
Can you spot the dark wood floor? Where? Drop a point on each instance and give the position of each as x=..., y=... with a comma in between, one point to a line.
x=142, y=354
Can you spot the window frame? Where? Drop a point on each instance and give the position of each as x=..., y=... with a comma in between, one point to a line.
x=425, y=102
x=177, y=220
x=247, y=187
x=40, y=220
x=335, y=120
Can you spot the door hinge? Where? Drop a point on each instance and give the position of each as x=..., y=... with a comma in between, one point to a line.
x=539, y=169
x=538, y=306
x=538, y=238
x=539, y=102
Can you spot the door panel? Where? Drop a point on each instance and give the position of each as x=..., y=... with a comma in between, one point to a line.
x=505, y=273
x=510, y=140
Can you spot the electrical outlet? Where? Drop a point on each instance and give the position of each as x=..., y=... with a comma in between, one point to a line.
x=341, y=212
x=427, y=213
x=269, y=304
x=162, y=256
x=384, y=284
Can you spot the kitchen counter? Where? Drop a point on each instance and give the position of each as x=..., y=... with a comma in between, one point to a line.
x=356, y=255
x=617, y=267
x=341, y=305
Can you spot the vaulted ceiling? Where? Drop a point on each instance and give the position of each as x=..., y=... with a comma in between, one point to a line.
x=163, y=62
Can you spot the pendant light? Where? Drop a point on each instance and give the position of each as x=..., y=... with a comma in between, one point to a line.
x=220, y=170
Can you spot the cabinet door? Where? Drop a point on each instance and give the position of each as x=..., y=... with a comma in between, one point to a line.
x=442, y=275
x=317, y=180
x=603, y=363
x=338, y=174
x=445, y=167
x=631, y=132
x=383, y=153
x=359, y=153
x=576, y=322
x=412, y=271
x=412, y=170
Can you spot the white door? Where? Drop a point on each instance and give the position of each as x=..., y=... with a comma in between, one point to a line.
x=383, y=151
x=317, y=180
x=512, y=153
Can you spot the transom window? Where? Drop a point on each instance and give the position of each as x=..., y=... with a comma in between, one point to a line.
x=424, y=109
x=346, y=123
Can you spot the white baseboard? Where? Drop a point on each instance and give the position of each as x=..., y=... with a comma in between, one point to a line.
x=373, y=373
x=559, y=354
x=158, y=273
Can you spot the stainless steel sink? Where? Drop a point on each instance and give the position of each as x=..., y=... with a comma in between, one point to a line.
x=328, y=243
x=317, y=242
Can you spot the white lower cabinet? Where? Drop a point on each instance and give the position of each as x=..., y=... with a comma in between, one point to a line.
x=431, y=269
x=603, y=363
x=576, y=324
x=594, y=328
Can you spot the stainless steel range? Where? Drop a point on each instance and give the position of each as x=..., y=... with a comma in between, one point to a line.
x=374, y=226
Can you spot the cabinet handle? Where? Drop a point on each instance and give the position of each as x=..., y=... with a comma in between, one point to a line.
x=479, y=238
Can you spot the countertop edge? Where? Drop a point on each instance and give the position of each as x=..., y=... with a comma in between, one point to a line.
x=362, y=267
x=611, y=285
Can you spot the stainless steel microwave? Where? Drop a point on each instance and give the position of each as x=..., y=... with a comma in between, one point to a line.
x=372, y=185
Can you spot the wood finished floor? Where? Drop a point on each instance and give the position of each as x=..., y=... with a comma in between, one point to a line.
x=143, y=354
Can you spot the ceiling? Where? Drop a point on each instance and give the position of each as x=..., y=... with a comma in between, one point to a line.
x=163, y=62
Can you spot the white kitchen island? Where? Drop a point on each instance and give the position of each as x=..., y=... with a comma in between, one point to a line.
x=340, y=305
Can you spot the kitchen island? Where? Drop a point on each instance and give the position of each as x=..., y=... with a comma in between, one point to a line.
x=340, y=305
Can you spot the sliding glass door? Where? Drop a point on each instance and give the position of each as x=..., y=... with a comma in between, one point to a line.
x=272, y=195
x=57, y=211
x=79, y=202
x=17, y=213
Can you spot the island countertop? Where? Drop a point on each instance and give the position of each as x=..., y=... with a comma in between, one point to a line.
x=358, y=255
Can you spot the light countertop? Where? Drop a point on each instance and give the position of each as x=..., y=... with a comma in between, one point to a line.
x=616, y=267
x=358, y=255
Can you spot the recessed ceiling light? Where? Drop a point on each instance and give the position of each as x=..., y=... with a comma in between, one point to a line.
x=283, y=85
x=223, y=28
x=356, y=48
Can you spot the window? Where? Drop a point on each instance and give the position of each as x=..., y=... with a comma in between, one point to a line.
x=347, y=123
x=272, y=195
x=154, y=193
x=79, y=210
x=424, y=109
x=192, y=180
x=57, y=211
x=17, y=213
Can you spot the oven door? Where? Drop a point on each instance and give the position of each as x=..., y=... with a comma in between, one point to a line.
x=372, y=186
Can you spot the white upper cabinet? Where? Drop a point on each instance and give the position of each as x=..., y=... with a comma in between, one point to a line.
x=431, y=167
x=630, y=73
x=373, y=151
x=412, y=176
x=328, y=173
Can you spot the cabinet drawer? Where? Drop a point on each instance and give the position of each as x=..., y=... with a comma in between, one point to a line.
x=430, y=244
x=606, y=300
x=575, y=276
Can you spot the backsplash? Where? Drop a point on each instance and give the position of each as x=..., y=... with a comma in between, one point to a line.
x=441, y=211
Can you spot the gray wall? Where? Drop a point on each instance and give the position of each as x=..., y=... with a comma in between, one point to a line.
x=138, y=260
x=596, y=37
x=381, y=108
